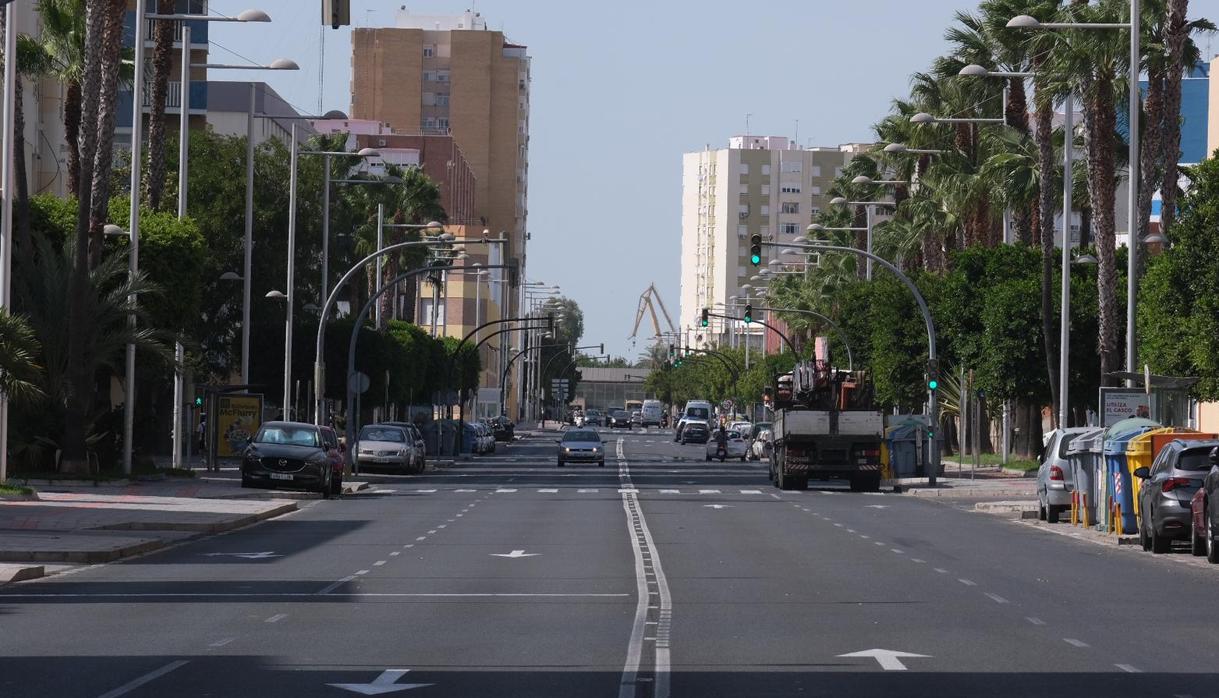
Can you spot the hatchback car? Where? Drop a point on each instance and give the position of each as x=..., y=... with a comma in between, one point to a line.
x=291, y=454
x=734, y=447
x=593, y=418
x=581, y=446
x=387, y=445
x=416, y=437
x=636, y=418
x=1167, y=491
x=695, y=433
x=619, y=419
x=1055, y=482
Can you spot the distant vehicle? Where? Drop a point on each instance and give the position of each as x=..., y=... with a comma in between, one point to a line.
x=1205, y=516
x=636, y=418
x=826, y=427
x=334, y=449
x=291, y=454
x=1055, y=482
x=619, y=419
x=503, y=428
x=760, y=447
x=581, y=446
x=652, y=413
x=387, y=445
x=1165, y=506
x=580, y=419
x=695, y=432
x=742, y=426
x=594, y=418
x=419, y=441
x=734, y=448
x=632, y=405
x=694, y=411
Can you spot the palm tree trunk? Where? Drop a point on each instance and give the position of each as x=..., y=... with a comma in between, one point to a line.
x=861, y=237
x=71, y=130
x=1176, y=35
x=1045, y=206
x=1151, y=148
x=25, y=243
x=103, y=164
x=1101, y=121
x=80, y=377
x=162, y=55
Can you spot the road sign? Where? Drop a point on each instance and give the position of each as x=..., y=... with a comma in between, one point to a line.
x=358, y=382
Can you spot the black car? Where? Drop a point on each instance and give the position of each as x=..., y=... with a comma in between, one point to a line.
x=619, y=419
x=503, y=429
x=695, y=433
x=289, y=454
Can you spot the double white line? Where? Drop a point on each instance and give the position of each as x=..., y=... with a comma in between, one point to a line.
x=648, y=575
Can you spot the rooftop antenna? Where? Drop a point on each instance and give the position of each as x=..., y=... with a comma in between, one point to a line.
x=796, y=140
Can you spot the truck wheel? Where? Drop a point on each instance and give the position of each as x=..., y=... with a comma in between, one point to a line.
x=799, y=483
x=872, y=483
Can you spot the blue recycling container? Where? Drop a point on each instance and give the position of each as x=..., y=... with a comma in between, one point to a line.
x=1118, y=486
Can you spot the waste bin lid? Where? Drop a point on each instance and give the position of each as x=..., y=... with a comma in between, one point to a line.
x=1115, y=442
x=1135, y=424
x=1091, y=441
x=907, y=431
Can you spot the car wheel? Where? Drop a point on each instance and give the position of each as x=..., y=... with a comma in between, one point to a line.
x=1051, y=513
x=1160, y=544
x=1041, y=515
x=601, y=464
x=1144, y=540
x=742, y=459
x=560, y=464
x=1197, y=544
x=246, y=482
x=708, y=459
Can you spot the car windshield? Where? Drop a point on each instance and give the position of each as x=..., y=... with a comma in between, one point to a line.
x=1195, y=459
x=288, y=436
x=382, y=434
x=581, y=437
x=698, y=412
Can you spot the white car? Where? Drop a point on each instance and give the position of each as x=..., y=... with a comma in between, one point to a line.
x=742, y=426
x=734, y=448
x=385, y=445
x=761, y=446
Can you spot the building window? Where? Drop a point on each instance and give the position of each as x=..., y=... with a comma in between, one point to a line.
x=429, y=122
x=816, y=191
x=743, y=211
x=816, y=170
x=792, y=166
x=765, y=169
x=442, y=100
x=837, y=171
x=429, y=51
x=790, y=207
x=765, y=210
x=765, y=190
x=791, y=188
x=742, y=231
x=790, y=229
x=744, y=168
x=442, y=123
x=442, y=76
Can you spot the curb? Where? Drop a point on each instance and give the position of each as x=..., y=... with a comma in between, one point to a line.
x=20, y=573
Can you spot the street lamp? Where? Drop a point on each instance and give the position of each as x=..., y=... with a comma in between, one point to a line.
x=925, y=118
x=1032, y=23
x=841, y=201
x=900, y=148
x=864, y=179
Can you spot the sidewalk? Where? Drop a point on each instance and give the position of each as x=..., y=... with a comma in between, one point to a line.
x=87, y=524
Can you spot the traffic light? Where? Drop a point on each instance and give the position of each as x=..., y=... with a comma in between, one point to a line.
x=748, y=314
x=706, y=318
x=670, y=352
x=199, y=401
x=755, y=249
x=933, y=374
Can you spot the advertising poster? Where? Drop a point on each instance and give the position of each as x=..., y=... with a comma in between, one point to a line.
x=237, y=419
x=1122, y=403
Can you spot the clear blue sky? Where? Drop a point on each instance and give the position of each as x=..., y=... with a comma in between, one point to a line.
x=621, y=89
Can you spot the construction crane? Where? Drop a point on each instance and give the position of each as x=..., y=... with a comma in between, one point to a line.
x=648, y=301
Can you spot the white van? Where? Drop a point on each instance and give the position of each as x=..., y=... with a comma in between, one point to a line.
x=651, y=412
x=694, y=411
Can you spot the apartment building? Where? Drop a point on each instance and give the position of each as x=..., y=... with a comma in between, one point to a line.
x=758, y=184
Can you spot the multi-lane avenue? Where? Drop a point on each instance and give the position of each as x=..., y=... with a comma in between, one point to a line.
x=659, y=574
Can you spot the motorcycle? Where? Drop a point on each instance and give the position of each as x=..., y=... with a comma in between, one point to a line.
x=721, y=452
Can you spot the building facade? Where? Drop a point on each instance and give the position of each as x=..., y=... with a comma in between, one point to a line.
x=762, y=185
x=229, y=105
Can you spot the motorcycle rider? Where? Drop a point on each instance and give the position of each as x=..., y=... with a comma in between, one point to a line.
x=721, y=442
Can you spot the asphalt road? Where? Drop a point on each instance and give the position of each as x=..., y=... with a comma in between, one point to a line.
x=659, y=574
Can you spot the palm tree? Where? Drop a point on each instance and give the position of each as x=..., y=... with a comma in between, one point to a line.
x=60, y=53
x=111, y=69
x=19, y=370
x=162, y=55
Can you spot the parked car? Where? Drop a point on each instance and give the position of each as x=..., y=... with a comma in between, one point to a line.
x=619, y=419
x=742, y=426
x=734, y=448
x=1205, y=517
x=636, y=418
x=387, y=445
x=1167, y=491
x=335, y=449
x=503, y=429
x=760, y=446
x=420, y=443
x=1055, y=482
x=581, y=446
x=291, y=454
x=695, y=432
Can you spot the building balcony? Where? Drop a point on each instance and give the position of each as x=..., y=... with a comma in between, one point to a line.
x=173, y=101
x=198, y=30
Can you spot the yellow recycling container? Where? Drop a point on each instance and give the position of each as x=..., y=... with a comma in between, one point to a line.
x=1142, y=450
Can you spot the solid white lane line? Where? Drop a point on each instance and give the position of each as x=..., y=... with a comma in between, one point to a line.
x=1075, y=643
x=150, y=676
x=276, y=618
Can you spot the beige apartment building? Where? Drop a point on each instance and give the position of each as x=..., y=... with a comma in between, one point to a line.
x=451, y=75
x=758, y=184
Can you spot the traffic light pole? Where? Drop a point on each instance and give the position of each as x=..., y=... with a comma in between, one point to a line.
x=767, y=325
x=933, y=408
x=836, y=328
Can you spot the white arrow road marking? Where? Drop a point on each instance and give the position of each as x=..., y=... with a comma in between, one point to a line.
x=515, y=554
x=717, y=506
x=888, y=659
x=385, y=683
x=249, y=556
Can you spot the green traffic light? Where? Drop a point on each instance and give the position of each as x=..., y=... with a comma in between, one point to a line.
x=756, y=259
x=933, y=384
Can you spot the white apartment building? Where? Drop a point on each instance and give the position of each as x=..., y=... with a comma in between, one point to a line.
x=758, y=184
